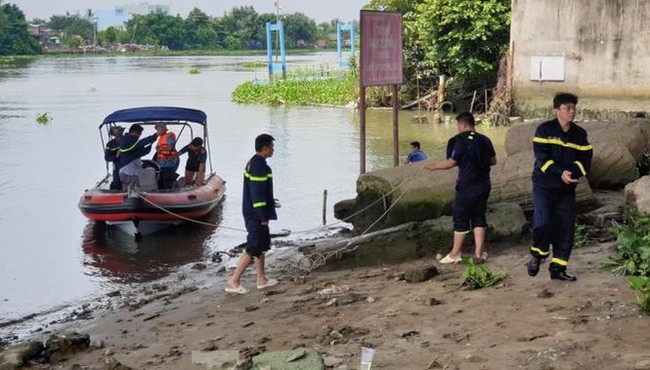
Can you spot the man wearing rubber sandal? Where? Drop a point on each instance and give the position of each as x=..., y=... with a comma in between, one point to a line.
x=258, y=207
x=474, y=154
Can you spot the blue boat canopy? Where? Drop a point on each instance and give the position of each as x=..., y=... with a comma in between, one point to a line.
x=156, y=114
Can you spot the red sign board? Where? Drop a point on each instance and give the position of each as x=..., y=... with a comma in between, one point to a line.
x=381, y=48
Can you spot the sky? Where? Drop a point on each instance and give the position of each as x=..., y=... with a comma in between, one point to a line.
x=320, y=10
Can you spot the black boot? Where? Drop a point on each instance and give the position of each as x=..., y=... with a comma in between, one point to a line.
x=533, y=266
x=562, y=275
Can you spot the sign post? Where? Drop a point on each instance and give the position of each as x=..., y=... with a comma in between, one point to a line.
x=380, y=64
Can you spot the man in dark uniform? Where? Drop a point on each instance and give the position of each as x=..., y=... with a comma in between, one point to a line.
x=111, y=155
x=562, y=155
x=258, y=207
x=473, y=153
x=195, y=165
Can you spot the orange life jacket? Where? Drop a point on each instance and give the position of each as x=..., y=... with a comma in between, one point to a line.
x=164, y=150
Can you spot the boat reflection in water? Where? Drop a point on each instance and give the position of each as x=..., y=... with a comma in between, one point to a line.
x=112, y=253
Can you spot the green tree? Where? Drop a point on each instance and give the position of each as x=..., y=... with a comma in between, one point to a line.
x=236, y=29
x=199, y=30
x=157, y=29
x=14, y=34
x=260, y=27
x=72, y=27
x=402, y=6
x=112, y=35
x=464, y=38
x=299, y=28
x=459, y=38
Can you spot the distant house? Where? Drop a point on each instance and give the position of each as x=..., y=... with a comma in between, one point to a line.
x=44, y=35
x=594, y=48
x=320, y=44
x=119, y=15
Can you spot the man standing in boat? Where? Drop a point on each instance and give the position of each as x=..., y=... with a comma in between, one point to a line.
x=111, y=154
x=131, y=150
x=165, y=156
x=258, y=207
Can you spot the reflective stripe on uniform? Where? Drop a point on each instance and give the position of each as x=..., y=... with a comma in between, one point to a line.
x=546, y=165
x=562, y=143
x=257, y=178
x=559, y=261
x=259, y=204
x=538, y=251
x=129, y=148
x=581, y=167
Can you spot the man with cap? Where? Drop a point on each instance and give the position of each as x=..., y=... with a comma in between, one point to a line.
x=195, y=165
x=111, y=153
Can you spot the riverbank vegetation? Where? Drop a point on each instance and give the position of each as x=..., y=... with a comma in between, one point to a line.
x=298, y=90
x=633, y=257
x=241, y=28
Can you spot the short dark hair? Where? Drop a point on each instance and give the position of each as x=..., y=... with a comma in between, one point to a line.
x=135, y=128
x=416, y=144
x=197, y=141
x=467, y=118
x=564, y=98
x=263, y=140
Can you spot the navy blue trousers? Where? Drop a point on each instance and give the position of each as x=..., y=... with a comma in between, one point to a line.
x=553, y=224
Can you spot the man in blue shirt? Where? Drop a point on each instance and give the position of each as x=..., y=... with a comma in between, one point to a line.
x=473, y=153
x=416, y=155
x=258, y=208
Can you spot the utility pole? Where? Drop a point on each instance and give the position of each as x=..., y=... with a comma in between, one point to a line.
x=277, y=6
x=95, y=33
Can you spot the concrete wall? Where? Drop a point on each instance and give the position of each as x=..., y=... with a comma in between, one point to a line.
x=606, y=46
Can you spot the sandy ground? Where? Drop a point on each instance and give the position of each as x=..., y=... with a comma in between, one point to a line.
x=524, y=323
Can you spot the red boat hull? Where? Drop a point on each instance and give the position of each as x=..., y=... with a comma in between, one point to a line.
x=172, y=205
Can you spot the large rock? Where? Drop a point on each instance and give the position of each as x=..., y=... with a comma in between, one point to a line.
x=409, y=193
x=637, y=195
x=617, y=148
x=58, y=347
x=412, y=240
x=17, y=356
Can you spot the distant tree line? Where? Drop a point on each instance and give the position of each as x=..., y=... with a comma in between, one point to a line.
x=238, y=29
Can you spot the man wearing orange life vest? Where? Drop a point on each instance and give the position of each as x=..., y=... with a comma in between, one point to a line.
x=165, y=156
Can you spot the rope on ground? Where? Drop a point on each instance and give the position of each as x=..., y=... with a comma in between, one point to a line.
x=305, y=231
x=315, y=260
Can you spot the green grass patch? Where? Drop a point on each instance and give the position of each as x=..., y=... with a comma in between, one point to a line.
x=642, y=284
x=326, y=91
x=254, y=64
x=43, y=118
x=580, y=236
x=479, y=276
x=194, y=71
x=16, y=61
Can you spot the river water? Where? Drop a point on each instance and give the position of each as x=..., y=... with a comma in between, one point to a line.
x=51, y=256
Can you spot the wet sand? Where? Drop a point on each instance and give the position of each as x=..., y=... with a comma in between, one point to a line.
x=523, y=323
